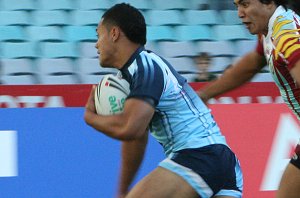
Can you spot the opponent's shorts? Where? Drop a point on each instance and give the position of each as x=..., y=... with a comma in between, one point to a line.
x=212, y=170
x=296, y=158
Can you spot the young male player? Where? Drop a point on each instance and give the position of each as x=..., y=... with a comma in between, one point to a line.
x=279, y=47
x=199, y=163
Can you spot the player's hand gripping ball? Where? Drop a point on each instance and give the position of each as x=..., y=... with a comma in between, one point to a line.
x=110, y=95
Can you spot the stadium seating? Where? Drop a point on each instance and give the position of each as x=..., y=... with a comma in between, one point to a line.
x=164, y=17
x=55, y=4
x=36, y=30
x=80, y=33
x=86, y=17
x=177, y=49
x=17, y=5
x=219, y=64
x=184, y=66
x=171, y=4
x=45, y=33
x=201, y=17
x=12, y=33
x=18, y=50
x=140, y=4
x=217, y=48
x=230, y=17
x=54, y=17
x=230, y=32
x=88, y=50
x=160, y=33
x=58, y=50
x=244, y=46
x=193, y=33
x=90, y=71
x=15, y=18
x=94, y=4
x=56, y=71
x=18, y=71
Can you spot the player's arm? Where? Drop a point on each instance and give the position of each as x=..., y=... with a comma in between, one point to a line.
x=295, y=72
x=129, y=125
x=239, y=73
x=132, y=157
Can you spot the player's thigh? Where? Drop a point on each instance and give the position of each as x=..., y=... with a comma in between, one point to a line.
x=162, y=183
x=290, y=183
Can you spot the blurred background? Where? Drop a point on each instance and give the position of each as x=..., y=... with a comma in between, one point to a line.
x=53, y=41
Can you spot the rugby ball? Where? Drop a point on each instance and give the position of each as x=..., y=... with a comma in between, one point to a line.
x=110, y=95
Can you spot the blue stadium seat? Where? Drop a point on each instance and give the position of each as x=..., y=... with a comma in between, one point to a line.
x=18, y=71
x=12, y=33
x=139, y=4
x=164, y=17
x=231, y=32
x=201, y=17
x=88, y=50
x=80, y=33
x=86, y=17
x=18, y=5
x=54, y=17
x=17, y=66
x=18, y=80
x=14, y=18
x=262, y=77
x=199, y=4
x=90, y=71
x=193, y=33
x=219, y=64
x=177, y=49
x=245, y=46
x=45, y=33
x=153, y=46
x=171, y=4
x=217, y=48
x=94, y=4
x=185, y=66
x=56, y=4
x=230, y=17
x=160, y=33
x=18, y=50
x=58, y=50
x=56, y=71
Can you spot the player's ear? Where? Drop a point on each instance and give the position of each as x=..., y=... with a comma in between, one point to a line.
x=115, y=33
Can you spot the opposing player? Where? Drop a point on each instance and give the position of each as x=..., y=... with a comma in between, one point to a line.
x=199, y=163
x=279, y=47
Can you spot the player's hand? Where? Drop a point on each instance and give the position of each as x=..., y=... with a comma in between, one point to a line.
x=90, y=105
x=90, y=109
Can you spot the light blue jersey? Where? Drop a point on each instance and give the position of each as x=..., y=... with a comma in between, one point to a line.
x=195, y=148
x=181, y=119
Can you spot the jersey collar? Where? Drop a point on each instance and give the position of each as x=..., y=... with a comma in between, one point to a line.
x=133, y=57
x=280, y=10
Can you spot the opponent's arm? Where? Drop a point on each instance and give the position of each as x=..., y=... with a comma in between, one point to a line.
x=295, y=72
x=129, y=125
x=132, y=157
x=239, y=73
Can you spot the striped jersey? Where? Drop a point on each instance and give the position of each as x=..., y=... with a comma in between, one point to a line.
x=281, y=48
x=181, y=120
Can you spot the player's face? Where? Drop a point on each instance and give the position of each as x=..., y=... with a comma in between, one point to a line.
x=255, y=15
x=104, y=46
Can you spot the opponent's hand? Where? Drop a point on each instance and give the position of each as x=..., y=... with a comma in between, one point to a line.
x=90, y=109
x=203, y=96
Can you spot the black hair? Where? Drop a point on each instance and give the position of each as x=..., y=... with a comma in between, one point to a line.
x=294, y=5
x=277, y=2
x=129, y=19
